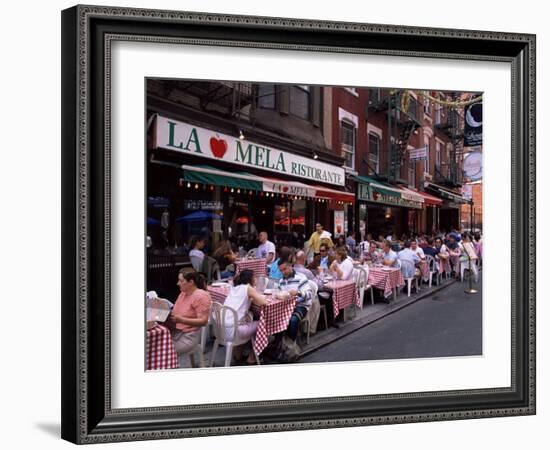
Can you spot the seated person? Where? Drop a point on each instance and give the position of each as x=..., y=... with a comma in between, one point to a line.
x=190, y=312
x=323, y=259
x=415, y=248
x=284, y=253
x=388, y=255
x=196, y=255
x=296, y=284
x=342, y=266
x=226, y=257
x=430, y=249
x=240, y=297
x=408, y=255
x=299, y=265
x=373, y=254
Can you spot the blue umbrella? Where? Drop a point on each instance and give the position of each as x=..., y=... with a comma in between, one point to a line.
x=197, y=216
x=151, y=221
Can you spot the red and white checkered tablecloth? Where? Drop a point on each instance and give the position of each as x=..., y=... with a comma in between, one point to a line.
x=344, y=293
x=258, y=266
x=159, y=349
x=424, y=270
x=274, y=317
x=385, y=280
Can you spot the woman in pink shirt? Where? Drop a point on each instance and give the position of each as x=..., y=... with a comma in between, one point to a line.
x=190, y=312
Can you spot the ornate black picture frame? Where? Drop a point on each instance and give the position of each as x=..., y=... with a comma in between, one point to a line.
x=87, y=33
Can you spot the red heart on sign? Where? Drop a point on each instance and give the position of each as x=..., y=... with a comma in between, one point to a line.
x=218, y=147
x=285, y=188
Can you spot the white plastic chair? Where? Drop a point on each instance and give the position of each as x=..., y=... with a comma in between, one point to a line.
x=408, y=266
x=252, y=252
x=226, y=333
x=433, y=270
x=363, y=284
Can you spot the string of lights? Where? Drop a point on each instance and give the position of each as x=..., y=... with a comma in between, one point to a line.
x=210, y=187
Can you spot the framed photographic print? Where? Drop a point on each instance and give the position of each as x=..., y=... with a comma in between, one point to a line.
x=280, y=224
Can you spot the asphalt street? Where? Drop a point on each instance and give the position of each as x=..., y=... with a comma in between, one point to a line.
x=449, y=323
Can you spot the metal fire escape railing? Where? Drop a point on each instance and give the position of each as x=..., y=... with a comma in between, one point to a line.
x=404, y=117
x=450, y=123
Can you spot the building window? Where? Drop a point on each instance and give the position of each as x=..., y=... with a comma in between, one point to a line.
x=347, y=133
x=427, y=106
x=374, y=95
x=412, y=174
x=374, y=154
x=438, y=110
x=437, y=155
x=266, y=96
x=427, y=161
x=300, y=101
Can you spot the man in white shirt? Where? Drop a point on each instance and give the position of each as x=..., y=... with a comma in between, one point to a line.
x=408, y=255
x=418, y=250
x=266, y=248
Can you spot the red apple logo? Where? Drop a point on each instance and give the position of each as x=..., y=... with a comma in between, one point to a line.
x=218, y=147
x=285, y=188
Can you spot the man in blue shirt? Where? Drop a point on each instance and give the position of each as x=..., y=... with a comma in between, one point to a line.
x=296, y=284
x=390, y=257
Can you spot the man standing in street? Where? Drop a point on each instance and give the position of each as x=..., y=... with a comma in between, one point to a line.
x=315, y=240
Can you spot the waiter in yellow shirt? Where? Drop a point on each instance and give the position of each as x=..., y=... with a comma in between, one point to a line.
x=318, y=237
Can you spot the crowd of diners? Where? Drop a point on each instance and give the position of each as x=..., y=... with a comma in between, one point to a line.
x=294, y=270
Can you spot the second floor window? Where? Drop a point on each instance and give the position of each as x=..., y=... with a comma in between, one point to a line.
x=300, y=101
x=374, y=154
x=266, y=96
x=347, y=133
x=437, y=154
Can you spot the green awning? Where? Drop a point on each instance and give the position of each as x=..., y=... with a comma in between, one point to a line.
x=217, y=177
x=379, y=186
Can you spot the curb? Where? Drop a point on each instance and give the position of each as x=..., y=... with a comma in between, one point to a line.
x=360, y=323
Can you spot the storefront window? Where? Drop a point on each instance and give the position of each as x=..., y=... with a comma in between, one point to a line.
x=282, y=218
x=298, y=224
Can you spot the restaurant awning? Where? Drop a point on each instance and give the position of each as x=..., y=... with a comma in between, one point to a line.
x=379, y=186
x=249, y=182
x=444, y=193
x=375, y=191
x=428, y=200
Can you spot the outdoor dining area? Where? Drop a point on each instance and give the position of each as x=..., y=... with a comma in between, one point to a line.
x=274, y=304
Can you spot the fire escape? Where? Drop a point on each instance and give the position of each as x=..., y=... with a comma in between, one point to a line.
x=449, y=123
x=404, y=114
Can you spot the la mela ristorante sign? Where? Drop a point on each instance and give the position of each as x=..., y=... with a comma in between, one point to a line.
x=185, y=138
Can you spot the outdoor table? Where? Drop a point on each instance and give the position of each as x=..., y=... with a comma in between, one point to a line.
x=424, y=270
x=387, y=280
x=274, y=317
x=159, y=349
x=257, y=265
x=344, y=293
